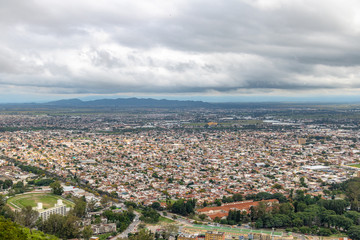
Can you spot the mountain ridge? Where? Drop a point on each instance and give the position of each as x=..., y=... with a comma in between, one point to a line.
x=127, y=103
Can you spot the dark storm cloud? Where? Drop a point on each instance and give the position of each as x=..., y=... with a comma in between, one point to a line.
x=179, y=46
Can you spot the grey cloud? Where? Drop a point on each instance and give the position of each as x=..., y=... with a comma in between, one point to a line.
x=105, y=58
x=182, y=46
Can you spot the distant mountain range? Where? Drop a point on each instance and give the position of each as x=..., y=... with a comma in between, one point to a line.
x=143, y=103
x=128, y=103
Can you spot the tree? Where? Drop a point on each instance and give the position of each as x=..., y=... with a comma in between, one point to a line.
x=258, y=211
x=237, y=197
x=122, y=220
x=7, y=183
x=340, y=221
x=339, y=206
x=91, y=205
x=286, y=208
x=53, y=225
x=202, y=217
x=105, y=200
x=7, y=212
x=170, y=230
x=263, y=196
x=259, y=223
x=70, y=227
x=61, y=226
x=217, y=202
x=19, y=184
x=114, y=194
x=57, y=188
x=142, y=235
x=277, y=186
x=183, y=207
x=302, y=182
x=280, y=197
x=10, y=230
x=324, y=232
x=353, y=193
x=354, y=232
x=353, y=215
x=156, y=205
x=80, y=207
x=27, y=217
x=150, y=215
x=2, y=201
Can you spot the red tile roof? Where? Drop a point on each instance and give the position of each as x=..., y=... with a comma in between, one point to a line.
x=245, y=205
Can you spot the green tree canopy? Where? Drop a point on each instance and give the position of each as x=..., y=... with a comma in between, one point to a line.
x=57, y=188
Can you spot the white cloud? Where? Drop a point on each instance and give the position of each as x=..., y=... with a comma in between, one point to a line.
x=153, y=47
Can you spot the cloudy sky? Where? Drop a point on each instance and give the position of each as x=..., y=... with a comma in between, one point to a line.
x=200, y=49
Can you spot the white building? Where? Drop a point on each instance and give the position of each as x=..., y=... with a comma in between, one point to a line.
x=59, y=208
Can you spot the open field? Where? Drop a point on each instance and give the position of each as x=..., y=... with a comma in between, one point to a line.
x=166, y=220
x=31, y=199
x=196, y=228
x=355, y=165
x=237, y=122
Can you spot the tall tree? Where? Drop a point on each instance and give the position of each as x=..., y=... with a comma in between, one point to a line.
x=87, y=232
x=91, y=205
x=70, y=228
x=354, y=232
x=27, y=217
x=7, y=183
x=353, y=193
x=57, y=188
x=80, y=207
x=61, y=226
x=53, y=225
x=142, y=235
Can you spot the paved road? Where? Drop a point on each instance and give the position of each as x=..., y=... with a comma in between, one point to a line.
x=131, y=227
x=178, y=218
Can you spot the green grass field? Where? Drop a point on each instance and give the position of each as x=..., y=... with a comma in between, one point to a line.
x=232, y=230
x=48, y=200
x=355, y=165
x=166, y=220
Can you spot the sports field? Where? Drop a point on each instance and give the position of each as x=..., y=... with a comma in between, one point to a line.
x=231, y=230
x=31, y=199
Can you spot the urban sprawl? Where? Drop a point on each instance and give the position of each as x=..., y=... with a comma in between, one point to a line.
x=161, y=155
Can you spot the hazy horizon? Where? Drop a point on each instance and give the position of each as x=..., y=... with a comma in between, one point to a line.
x=253, y=99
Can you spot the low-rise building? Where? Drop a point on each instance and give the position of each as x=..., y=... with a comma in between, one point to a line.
x=103, y=228
x=188, y=237
x=214, y=236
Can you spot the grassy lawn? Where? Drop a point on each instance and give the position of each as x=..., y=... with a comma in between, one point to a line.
x=355, y=165
x=48, y=200
x=165, y=220
x=232, y=230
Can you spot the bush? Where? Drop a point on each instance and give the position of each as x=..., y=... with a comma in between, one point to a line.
x=324, y=232
x=305, y=230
